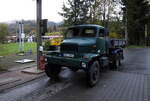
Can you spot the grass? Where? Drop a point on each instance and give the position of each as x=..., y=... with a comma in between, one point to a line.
x=135, y=46
x=13, y=48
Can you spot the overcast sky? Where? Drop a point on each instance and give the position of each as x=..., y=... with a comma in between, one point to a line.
x=26, y=9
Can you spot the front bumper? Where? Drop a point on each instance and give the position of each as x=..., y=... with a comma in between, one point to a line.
x=68, y=62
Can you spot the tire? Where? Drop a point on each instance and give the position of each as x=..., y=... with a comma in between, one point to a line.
x=93, y=73
x=52, y=71
x=115, y=65
x=119, y=62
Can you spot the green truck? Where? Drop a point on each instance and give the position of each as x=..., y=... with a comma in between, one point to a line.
x=85, y=47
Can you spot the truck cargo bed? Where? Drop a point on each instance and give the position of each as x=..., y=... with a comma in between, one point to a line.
x=118, y=42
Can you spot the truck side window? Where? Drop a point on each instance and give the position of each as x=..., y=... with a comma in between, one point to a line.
x=101, y=32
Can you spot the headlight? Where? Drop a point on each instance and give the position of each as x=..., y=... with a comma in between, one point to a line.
x=99, y=51
x=45, y=59
x=83, y=64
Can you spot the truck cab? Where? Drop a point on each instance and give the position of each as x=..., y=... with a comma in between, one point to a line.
x=85, y=47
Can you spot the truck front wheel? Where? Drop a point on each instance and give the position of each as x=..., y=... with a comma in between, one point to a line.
x=52, y=71
x=93, y=73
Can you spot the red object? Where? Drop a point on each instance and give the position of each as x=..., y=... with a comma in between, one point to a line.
x=42, y=64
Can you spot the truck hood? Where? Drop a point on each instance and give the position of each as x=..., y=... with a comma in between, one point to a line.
x=80, y=41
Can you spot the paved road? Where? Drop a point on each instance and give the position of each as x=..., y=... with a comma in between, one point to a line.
x=130, y=83
x=137, y=61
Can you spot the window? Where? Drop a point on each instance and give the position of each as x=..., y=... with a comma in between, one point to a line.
x=88, y=32
x=72, y=32
x=81, y=32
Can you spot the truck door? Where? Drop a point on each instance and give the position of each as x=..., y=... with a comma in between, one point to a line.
x=101, y=45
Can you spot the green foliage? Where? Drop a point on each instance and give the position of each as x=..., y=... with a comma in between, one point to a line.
x=135, y=46
x=136, y=15
x=53, y=28
x=76, y=12
x=54, y=33
x=114, y=35
x=13, y=48
x=102, y=12
x=3, y=32
x=89, y=11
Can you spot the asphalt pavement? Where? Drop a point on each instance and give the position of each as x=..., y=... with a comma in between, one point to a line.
x=130, y=83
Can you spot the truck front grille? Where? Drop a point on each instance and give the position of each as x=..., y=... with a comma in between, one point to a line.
x=69, y=48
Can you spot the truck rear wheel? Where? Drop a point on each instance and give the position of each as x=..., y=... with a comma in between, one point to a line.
x=115, y=65
x=93, y=73
x=52, y=71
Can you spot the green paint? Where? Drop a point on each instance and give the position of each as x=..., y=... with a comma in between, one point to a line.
x=83, y=47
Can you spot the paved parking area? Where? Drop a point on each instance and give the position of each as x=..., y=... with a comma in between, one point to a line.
x=130, y=83
x=113, y=86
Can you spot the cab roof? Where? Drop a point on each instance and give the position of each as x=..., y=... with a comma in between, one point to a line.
x=88, y=25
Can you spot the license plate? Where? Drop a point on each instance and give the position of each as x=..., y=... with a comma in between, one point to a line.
x=68, y=55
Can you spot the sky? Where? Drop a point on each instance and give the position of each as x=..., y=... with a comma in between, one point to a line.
x=14, y=10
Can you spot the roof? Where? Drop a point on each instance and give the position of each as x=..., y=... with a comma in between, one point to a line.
x=87, y=25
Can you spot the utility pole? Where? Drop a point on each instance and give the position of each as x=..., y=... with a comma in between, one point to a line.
x=39, y=38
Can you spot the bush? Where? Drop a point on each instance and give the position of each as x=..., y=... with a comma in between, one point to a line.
x=3, y=32
x=54, y=33
x=114, y=35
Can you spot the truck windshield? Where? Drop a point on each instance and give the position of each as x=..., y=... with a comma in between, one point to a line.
x=80, y=32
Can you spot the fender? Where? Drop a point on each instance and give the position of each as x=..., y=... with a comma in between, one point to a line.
x=117, y=51
x=90, y=56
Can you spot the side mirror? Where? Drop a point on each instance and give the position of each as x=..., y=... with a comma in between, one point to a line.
x=101, y=33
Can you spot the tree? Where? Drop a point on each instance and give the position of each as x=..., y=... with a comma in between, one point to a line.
x=95, y=12
x=3, y=32
x=135, y=17
x=102, y=12
x=55, y=28
x=76, y=12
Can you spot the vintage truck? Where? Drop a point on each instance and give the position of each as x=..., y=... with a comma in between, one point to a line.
x=85, y=47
